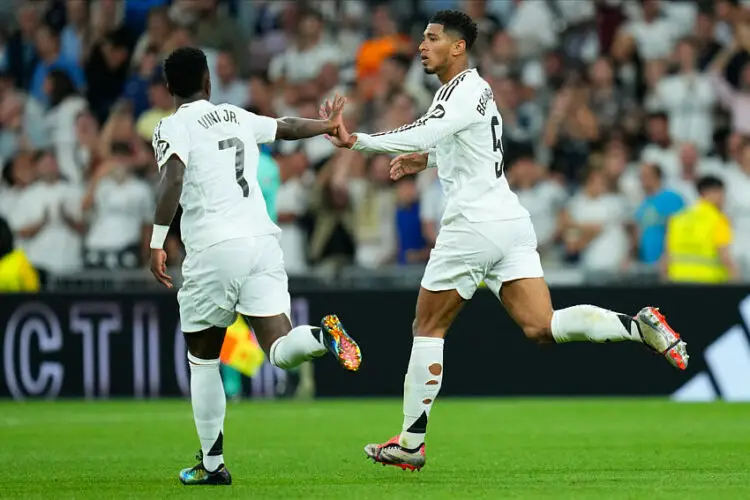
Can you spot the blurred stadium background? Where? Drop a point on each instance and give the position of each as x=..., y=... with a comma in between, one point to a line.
x=612, y=111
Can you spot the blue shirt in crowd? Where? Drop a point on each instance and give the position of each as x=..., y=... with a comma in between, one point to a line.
x=651, y=218
x=409, y=230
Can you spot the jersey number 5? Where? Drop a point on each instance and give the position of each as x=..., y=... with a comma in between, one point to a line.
x=497, y=145
x=239, y=161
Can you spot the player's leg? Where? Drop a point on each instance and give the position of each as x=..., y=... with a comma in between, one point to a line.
x=204, y=324
x=436, y=311
x=528, y=303
x=207, y=395
x=451, y=277
x=264, y=301
x=517, y=281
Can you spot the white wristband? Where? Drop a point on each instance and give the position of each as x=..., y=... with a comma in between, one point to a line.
x=158, y=236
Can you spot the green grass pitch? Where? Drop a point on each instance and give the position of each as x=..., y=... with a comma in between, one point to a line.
x=495, y=449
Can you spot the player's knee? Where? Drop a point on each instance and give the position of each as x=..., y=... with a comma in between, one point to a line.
x=538, y=334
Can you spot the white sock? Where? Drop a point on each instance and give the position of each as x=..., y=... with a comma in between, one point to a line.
x=421, y=386
x=587, y=323
x=301, y=344
x=209, y=407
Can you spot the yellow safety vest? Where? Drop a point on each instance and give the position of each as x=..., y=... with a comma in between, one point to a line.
x=17, y=274
x=694, y=237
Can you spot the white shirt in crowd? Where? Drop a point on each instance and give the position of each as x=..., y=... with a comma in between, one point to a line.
x=737, y=183
x=609, y=249
x=221, y=199
x=291, y=198
x=655, y=39
x=56, y=247
x=119, y=213
x=376, y=217
x=543, y=201
x=462, y=132
x=297, y=66
x=235, y=92
x=689, y=101
x=61, y=127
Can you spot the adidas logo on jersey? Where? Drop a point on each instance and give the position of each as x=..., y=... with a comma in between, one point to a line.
x=728, y=360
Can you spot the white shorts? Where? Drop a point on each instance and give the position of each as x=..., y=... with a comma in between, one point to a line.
x=467, y=253
x=245, y=275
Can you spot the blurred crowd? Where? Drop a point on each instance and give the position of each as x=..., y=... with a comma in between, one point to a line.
x=612, y=111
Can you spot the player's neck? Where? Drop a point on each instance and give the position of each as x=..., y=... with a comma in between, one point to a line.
x=179, y=101
x=451, y=72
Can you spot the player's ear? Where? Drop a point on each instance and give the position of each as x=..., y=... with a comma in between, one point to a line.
x=459, y=47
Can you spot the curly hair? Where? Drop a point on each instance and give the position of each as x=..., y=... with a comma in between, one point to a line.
x=458, y=22
x=185, y=70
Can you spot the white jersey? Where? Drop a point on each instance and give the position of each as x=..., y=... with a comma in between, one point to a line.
x=221, y=199
x=462, y=132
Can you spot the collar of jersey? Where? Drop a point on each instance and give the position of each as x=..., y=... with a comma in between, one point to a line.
x=461, y=73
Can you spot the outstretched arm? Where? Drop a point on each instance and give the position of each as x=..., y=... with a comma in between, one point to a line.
x=291, y=128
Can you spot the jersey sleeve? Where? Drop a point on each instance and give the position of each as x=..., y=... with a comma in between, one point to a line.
x=263, y=127
x=445, y=118
x=170, y=138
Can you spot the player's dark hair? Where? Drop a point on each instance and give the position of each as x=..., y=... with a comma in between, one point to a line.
x=185, y=70
x=709, y=182
x=458, y=22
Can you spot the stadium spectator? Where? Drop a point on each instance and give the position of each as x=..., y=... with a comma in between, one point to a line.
x=570, y=129
x=385, y=42
x=651, y=36
x=228, y=87
x=76, y=34
x=608, y=103
x=162, y=105
x=522, y=121
x=16, y=272
x=593, y=226
x=332, y=243
x=65, y=105
x=412, y=247
x=106, y=72
x=660, y=149
x=392, y=80
x=738, y=207
x=20, y=57
x=699, y=239
x=218, y=31
x=688, y=98
x=119, y=207
x=735, y=100
x=302, y=70
x=502, y=61
x=542, y=197
x=158, y=30
x=431, y=205
x=652, y=215
x=375, y=214
x=47, y=42
x=18, y=174
x=40, y=220
x=136, y=87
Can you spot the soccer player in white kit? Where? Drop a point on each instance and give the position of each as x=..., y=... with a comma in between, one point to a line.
x=208, y=158
x=486, y=235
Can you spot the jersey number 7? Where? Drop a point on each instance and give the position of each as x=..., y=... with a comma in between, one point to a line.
x=497, y=145
x=239, y=161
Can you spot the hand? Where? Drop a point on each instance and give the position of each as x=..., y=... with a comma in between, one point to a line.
x=408, y=164
x=159, y=267
x=333, y=113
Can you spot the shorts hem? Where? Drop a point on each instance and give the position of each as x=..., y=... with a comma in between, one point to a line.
x=466, y=295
